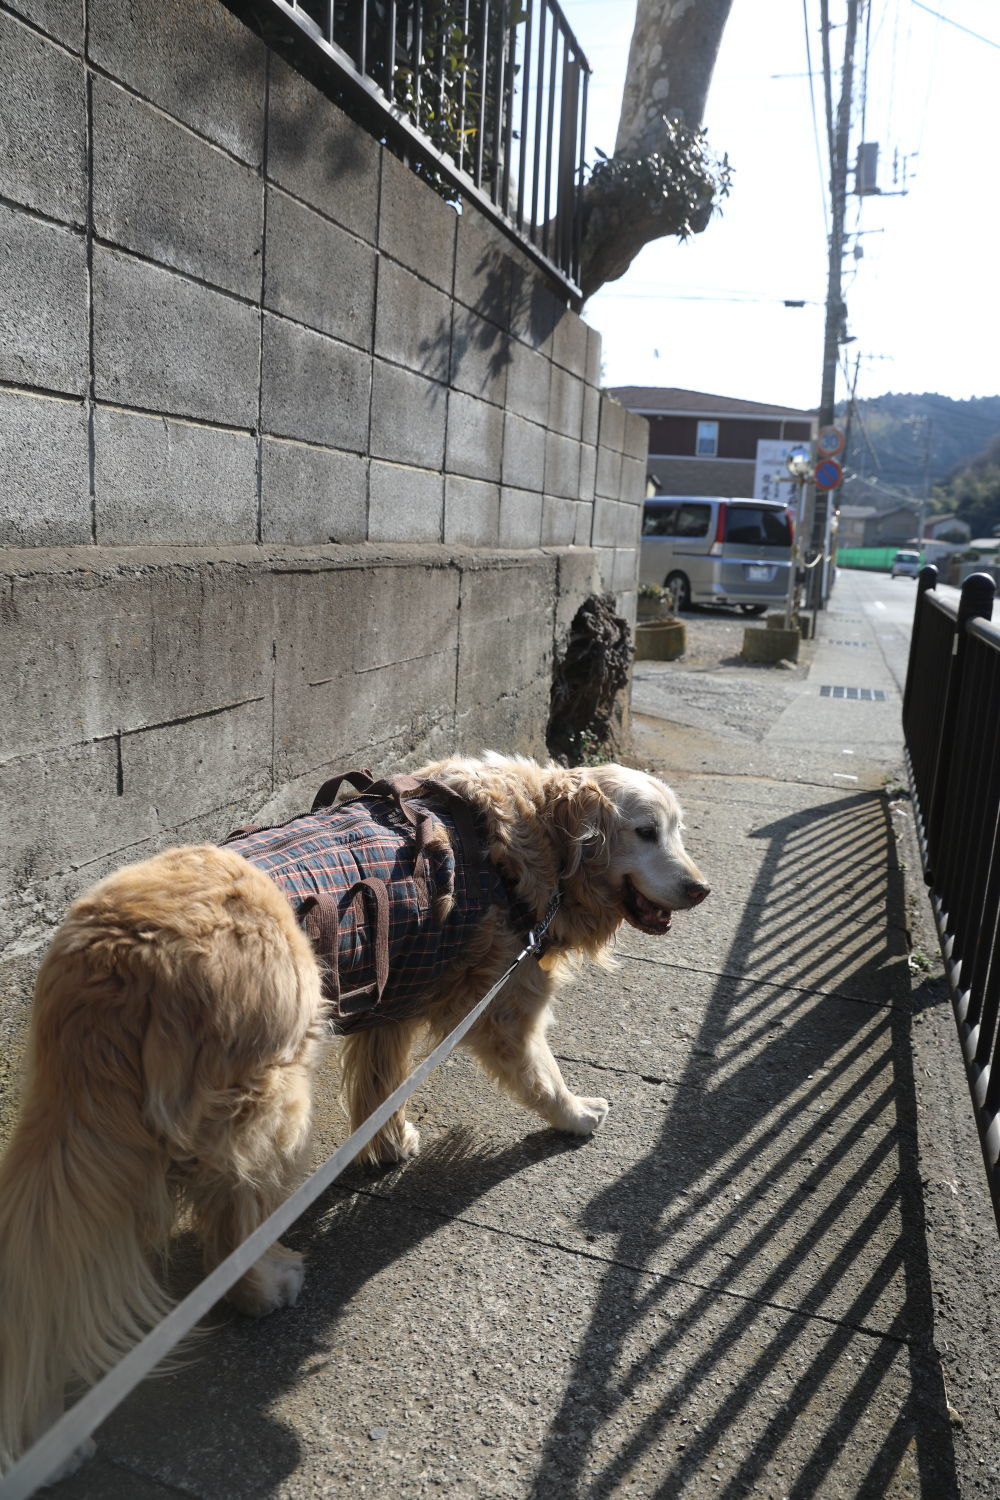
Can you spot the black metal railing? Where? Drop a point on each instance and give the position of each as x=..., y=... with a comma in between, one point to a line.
x=489, y=95
x=951, y=726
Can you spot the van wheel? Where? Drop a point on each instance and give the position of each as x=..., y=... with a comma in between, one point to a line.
x=753, y=609
x=679, y=582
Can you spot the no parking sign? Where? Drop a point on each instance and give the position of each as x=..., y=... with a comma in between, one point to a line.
x=828, y=474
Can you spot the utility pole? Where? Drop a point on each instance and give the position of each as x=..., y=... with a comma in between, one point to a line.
x=836, y=311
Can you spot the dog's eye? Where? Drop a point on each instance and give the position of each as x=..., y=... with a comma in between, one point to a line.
x=648, y=831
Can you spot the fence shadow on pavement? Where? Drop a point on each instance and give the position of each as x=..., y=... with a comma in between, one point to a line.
x=766, y=1317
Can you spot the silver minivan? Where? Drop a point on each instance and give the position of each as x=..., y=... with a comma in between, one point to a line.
x=713, y=549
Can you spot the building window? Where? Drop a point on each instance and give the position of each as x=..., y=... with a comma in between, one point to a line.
x=708, y=439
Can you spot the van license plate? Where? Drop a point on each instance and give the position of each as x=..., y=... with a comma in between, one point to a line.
x=759, y=573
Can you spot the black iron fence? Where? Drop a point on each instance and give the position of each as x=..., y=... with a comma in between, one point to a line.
x=951, y=725
x=490, y=96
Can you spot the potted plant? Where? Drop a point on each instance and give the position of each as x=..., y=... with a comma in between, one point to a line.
x=652, y=600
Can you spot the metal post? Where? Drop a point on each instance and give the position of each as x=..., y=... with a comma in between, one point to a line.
x=976, y=603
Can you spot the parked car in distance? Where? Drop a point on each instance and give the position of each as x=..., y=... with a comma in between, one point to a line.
x=906, y=565
x=717, y=550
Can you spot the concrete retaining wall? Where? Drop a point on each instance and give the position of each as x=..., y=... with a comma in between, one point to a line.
x=300, y=467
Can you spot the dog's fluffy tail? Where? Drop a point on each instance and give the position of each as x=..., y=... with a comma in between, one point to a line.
x=83, y=1194
x=76, y=1291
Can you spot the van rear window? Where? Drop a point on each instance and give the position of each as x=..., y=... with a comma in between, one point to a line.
x=676, y=520
x=757, y=528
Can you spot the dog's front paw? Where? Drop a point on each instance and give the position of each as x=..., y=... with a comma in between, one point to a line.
x=586, y=1115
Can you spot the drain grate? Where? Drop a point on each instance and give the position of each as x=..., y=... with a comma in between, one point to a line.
x=860, y=695
x=865, y=644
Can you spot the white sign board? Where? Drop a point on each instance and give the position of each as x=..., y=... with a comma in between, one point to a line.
x=772, y=454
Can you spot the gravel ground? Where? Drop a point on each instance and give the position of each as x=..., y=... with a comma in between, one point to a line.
x=711, y=686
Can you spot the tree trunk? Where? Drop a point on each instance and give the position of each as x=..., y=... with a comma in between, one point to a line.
x=661, y=180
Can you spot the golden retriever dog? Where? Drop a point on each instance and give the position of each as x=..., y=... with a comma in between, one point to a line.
x=178, y=1016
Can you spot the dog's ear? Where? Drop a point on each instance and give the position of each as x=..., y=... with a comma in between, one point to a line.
x=587, y=818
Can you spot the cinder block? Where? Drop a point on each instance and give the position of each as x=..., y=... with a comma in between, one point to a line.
x=480, y=356
x=61, y=19
x=523, y=454
x=475, y=437
x=471, y=513
x=44, y=474
x=482, y=270
x=312, y=494
x=416, y=226
x=184, y=770
x=584, y=524
x=167, y=344
x=317, y=273
x=320, y=155
x=591, y=414
x=168, y=195
x=562, y=466
x=588, y=472
x=592, y=373
x=405, y=504
x=313, y=387
x=528, y=376
x=605, y=531
x=199, y=63
x=43, y=125
x=408, y=417
x=558, y=521
x=628, y=525
x=569, y=343
x=626, y=569
x=412, y=323
x=535, y=312
x=608, y=484
x=520, y=518
x=158, y=481
x=612, y=425
x=635, y=441
x=633, y=480
x=566, y=403
x=43, y=304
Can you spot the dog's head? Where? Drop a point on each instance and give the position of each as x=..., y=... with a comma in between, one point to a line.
x=630, y=848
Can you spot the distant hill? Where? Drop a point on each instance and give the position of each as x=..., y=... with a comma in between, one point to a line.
x=898, y=435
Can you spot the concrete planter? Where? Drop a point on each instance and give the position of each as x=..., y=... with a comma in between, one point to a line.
x=661, y=640
x=771, y=644
x=649, y=609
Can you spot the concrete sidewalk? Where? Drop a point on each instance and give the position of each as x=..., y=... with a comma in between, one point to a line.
x=739, y=1285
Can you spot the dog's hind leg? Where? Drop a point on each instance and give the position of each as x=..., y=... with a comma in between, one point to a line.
x=243, y=1176
x=509, y=1042
x=374, y=1063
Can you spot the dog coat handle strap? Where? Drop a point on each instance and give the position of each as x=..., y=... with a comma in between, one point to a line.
x=361, y=781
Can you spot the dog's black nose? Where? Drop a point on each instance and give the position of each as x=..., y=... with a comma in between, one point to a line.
x=696, y=892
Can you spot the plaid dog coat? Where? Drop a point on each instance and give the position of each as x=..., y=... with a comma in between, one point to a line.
x=363, y=884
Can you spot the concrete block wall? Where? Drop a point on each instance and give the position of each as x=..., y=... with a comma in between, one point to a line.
x=299, y=465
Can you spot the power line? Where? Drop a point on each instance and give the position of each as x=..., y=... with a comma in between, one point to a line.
x=957, y=24
x=812, y=105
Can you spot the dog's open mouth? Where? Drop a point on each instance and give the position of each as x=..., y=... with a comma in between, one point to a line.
x=643, y=913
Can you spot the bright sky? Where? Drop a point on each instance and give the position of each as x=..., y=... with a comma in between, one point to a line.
x=923, y=302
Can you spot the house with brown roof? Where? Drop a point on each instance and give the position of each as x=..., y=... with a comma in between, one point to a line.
x=701, y=444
